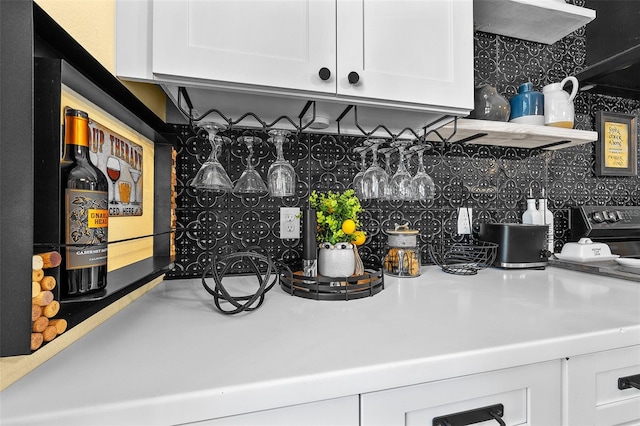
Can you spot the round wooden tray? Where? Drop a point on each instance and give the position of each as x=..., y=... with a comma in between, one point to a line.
x=332, y=288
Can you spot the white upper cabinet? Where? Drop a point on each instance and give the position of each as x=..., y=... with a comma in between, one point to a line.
x=412, y=55
x=407, y=51
x=268, y=43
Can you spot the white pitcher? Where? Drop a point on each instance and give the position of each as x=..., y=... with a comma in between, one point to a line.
x=558, y=104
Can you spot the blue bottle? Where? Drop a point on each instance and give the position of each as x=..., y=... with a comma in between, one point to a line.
x=527, y=107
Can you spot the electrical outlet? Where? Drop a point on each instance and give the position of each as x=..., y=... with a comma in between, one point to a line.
x=465, y=219
x=289, y=222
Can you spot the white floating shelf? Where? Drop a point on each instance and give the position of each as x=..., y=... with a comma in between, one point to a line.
x=497, y=133
x=542, y=21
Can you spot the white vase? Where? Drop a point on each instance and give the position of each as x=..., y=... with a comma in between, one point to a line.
x=336, y=261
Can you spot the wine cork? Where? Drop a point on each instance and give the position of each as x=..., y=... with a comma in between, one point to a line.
x=35, y=289
x=37, y=274
x=36, y=311
x=40, y=324
x=43, y=298
x=36, y=340
x=51, y=309
x=48, y=283
x=60, y=324
x=49, y=333
x=37, y=262
x=50, y=259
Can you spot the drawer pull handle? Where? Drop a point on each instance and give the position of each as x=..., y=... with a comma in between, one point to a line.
x=629, y=382
x=353, y=77
x=463, y=418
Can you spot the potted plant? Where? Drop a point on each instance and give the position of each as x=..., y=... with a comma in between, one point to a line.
x=338, y=232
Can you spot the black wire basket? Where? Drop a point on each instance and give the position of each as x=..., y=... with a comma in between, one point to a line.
x=463, y=258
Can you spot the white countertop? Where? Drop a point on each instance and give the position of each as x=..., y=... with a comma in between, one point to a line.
x=171, y=357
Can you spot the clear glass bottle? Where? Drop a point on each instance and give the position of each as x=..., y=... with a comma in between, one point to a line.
x=85, y=208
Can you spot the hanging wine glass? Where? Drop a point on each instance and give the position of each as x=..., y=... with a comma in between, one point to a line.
x=250, y=182
x=422, y=184
x=281, y=176
x=113, y=171
x=212, y=176
x=401, y=181
x=375, y=179
x=357, y=179
x=387, y=152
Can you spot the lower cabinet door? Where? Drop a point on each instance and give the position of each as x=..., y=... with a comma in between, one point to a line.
x=334, y=412
x=593, y=395
x=527, y=395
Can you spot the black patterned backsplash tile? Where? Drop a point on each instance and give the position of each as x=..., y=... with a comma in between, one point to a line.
x=493, y=181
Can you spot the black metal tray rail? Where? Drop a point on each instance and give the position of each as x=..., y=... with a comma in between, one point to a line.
x=368, y=284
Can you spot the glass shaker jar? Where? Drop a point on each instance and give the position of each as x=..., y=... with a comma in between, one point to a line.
x=403, y=254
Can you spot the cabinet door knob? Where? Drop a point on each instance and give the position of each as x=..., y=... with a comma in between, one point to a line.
x=324, y=73
x=353, y=77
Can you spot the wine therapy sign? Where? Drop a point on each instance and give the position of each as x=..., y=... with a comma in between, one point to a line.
x=121, y=162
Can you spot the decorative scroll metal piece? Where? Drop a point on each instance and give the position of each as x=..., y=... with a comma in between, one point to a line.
x=261, y=265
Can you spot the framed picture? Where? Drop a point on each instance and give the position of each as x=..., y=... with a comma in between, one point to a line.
x=121, y=162
x=617, y=145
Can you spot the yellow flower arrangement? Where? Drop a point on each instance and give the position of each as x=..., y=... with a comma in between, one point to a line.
x=337, y=216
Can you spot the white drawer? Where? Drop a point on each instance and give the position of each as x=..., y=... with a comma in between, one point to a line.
x=335, y=412
x=531, y=395
x=592, y=395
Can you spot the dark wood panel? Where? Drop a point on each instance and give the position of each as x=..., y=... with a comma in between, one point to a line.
x=614, y=30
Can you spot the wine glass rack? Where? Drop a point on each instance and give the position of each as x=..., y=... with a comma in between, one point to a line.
x=429, y=129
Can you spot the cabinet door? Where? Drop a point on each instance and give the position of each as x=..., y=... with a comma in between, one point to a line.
x=592, y=396
x=406, y=50
x=268, y=43
x=530, y=395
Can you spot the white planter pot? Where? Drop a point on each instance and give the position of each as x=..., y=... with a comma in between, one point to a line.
x=336, y=261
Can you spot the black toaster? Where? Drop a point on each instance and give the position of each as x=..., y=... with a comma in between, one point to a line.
x=519, y=245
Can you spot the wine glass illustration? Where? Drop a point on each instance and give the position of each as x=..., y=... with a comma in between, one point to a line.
x=135, y=176
x=113, y=171
x=250, y=181
x=281, y=176
x=212, y=176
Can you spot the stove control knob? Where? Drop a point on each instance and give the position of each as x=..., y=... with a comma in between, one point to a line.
x=616, y=215
x=610, y=217
x=598, y=217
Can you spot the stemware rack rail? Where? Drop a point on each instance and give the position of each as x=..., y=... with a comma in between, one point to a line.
x=299, y=126
x=124, y=240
